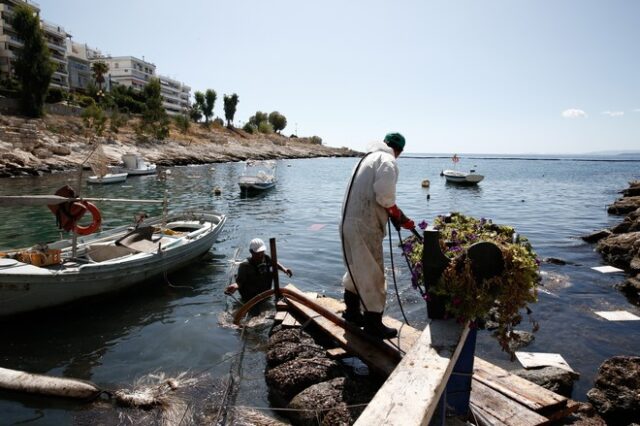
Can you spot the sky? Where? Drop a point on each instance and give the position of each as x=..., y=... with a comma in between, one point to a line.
x=468, y=76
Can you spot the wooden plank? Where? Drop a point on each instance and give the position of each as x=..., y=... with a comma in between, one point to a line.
x=407, y=335
x=280, y=316
x=503, y=409
x=370, y=353
x=562, y=412
x=337, y=353
x=411, y=394
x=281, y=305
x=529, y=394
x=290, y=321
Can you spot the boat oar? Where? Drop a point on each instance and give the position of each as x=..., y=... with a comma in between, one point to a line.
x=43, y=200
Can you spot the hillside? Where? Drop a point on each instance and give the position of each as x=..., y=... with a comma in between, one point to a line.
x=57, y=143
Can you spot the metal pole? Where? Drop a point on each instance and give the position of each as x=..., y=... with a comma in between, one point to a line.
x=274, y=265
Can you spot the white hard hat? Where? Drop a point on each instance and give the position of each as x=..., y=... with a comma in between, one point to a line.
x=257, y=246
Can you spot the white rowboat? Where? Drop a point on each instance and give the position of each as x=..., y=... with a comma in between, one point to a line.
x=107, y=261
x=108, y=178
x=462, y=178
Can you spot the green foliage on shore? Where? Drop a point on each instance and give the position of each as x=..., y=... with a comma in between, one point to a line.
x=155, y=121
x=99, y=69
x=230, y=105
x=94, y=119
x=182, y=122
x=33, y=65
x=265, y=127
x=278, y=121
x=250, y=128
x=205, y=103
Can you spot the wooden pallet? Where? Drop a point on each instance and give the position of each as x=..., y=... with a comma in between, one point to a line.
x=415, y=384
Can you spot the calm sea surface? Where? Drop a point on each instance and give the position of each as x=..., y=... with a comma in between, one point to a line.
x=181, y=327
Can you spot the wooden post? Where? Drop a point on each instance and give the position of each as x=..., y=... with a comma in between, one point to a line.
x=274, y=265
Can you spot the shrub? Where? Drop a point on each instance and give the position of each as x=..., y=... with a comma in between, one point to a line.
x=265, y=127
x=249, y=128
x=54, y=95
x=117, y=120
x=182, y=123
x=218, y=122
x=317, y=140
x=85, y=101
x=94, y=119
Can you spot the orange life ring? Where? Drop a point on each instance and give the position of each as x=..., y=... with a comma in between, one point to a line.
x=95, y=223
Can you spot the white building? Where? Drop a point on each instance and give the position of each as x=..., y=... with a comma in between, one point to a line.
x=175, y=95
x=128, y=71
x=79, y=58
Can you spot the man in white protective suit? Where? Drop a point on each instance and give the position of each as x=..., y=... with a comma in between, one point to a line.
x=369, y=202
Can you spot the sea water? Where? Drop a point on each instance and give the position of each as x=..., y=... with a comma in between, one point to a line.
x=181, y=322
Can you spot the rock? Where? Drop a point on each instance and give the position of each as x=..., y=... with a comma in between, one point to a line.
x=554, y=261
x=620, y=249
x=520, y=339
x=624, y=205
x=60, y=150
x=633, y=190
x=596, y=236
x=41, y=153
x=288, y=379
x=585, y=416
x=286, y=351
x=288, y=335
x=616, y=395
x=553, y=378
x=326, y=397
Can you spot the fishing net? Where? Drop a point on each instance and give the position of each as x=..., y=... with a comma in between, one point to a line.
x=99, y=162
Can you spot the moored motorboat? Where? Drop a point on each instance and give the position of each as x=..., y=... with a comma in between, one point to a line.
x=462, y=178
x=135, y=165
x=258, y=176
x=108, y=261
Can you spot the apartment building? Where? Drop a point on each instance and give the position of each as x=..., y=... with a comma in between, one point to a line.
x=175, y=95
x=56, y=38
x=79, y=58
x=128, y=71
x=54, y=35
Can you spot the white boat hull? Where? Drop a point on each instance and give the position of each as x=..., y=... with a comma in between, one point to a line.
x=463, y=178
x=108, y=178
x=25, y=288
x=148, y=169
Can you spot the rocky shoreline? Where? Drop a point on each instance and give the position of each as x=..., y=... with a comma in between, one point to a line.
x=33, y=147
x=620, y=245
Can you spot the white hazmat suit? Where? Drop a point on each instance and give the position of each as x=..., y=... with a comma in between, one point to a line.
x=363, y=227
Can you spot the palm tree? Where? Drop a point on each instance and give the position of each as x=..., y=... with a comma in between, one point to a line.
x=99, y=69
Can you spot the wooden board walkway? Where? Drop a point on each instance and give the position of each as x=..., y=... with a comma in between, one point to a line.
x=415, y=383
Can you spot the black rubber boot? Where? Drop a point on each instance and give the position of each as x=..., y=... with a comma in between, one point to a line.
x=374, y=326
x=352, y=314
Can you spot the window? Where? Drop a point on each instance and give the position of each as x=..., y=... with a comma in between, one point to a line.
x=117, y=65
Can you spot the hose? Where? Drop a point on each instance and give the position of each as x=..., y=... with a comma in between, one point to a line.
x=393, y=271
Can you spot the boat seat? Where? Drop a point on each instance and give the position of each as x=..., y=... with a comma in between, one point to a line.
x=101, y=252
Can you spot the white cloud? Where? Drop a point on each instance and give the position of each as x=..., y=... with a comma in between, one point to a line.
x=636, y=110
x=613, y=113
x=574, y=113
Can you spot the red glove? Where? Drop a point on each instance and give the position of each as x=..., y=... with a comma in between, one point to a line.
x=399, y=219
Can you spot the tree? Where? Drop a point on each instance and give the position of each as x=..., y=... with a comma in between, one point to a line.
x=33, y=65
x=278, y=121
x=195, y=113
x=210, y=99
x=230, y=104
x=94, y=119
x=99, y=69
x=205, y=102
x=155, y=120
x=258, y=118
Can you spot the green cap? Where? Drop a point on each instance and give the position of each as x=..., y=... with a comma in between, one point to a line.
x=395, y=140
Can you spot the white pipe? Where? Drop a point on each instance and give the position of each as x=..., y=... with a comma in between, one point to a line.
x=46, y=385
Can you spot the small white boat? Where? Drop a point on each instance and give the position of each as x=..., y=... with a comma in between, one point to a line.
x=258, y=176
x=38, y=278
x=462, y=178
x=135, y=165
x=108, y=178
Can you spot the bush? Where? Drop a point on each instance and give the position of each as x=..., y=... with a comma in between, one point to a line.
x=94, y=119
x=278, y=121
x=85, y=101
x=249, y=128
x=218, y=122
x=265, y=127
x=292, y=136
x=317, y=140
x=117, y=120
x=182, y=123
x=54, y=95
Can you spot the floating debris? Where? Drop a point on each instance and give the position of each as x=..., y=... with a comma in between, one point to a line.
x=217, y=190
x=542, y=359
x=606, y=269
x=618, y=315
x=426, y=183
